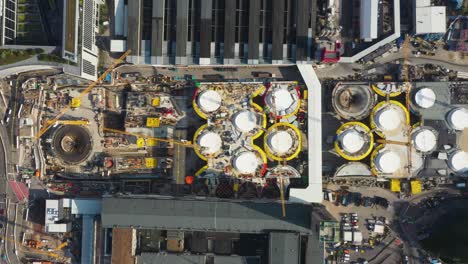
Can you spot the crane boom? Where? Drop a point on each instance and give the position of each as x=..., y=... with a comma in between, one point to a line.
x=184, y=143
x=408, y=91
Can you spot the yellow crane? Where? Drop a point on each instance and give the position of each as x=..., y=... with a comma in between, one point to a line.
x=82, y=94
x=185, y=143
x=64, y=244
x=69, y=122
x=281, y=179
x=384, y=141
x=32, y=250
x=408, y=92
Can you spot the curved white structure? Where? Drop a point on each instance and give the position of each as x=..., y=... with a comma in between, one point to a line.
x=210, y=142
x=352, y=141
x=458, y=118
x=209, y=101
x=425, y=98
x=387, y=161
x=424, y=139
x=246, y=162
x=245, y=121
x=458, y=161
x=388, y=118
x=280, y=142
x=283, y=171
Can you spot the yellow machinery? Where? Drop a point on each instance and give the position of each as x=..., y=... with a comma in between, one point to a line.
x=75, y=102
x=84, y=93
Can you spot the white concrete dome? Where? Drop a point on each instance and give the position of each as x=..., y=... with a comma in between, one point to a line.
x=424, y=140
x=458, y=118
x=280, y=142
x=352, y=141
x=425, y=98
x=387, y=161
x=388, y=118
x=209, y=101
x=458, y=161
x=245, y=121
x=246, y=162
x=210, y=142
x=280, y=99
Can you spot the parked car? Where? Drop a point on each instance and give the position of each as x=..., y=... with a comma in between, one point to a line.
x=345, y=199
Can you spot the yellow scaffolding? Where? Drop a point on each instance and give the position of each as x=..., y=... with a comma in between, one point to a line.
x=395, y=185
x=151, y=163
x=153, y=121
x=156, y=101
x=416, y=187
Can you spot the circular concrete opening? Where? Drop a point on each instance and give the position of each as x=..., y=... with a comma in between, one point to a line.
x=245, y=121
x=280, y=142
x=209, y=101
x=425, y=98
x=210, y=142
x=72, y=143
x=388, y=161
x=424, y=140
x=246, y=162
x=352, y=141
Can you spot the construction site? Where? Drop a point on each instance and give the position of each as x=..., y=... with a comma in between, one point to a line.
x=154, y=134
x=397, y=130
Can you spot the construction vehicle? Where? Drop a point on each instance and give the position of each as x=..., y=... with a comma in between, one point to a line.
x=81, y=95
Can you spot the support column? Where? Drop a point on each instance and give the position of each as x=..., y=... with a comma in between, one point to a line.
x=157, y=32
x=254, y=28
x=181, y=31
x=205, y=31
x=135, y=23
x=229, y=30
x=302, y=26
x=278, y=32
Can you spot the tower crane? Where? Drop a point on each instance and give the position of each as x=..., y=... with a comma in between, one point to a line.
x=185, y=143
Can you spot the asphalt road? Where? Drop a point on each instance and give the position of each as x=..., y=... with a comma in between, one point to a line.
x=7, y=199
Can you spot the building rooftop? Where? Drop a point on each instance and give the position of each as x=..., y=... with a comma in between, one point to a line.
x=244, y=217
x=284, y=248
x=430, y=19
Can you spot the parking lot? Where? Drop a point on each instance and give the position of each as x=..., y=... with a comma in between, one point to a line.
x=364, y=224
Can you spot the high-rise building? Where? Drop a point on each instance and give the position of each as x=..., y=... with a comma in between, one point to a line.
x=7, y=21
x=214, y=31
x=85, y=54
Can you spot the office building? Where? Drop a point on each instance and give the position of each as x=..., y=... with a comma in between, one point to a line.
x=214, y=31
x=7, y=21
